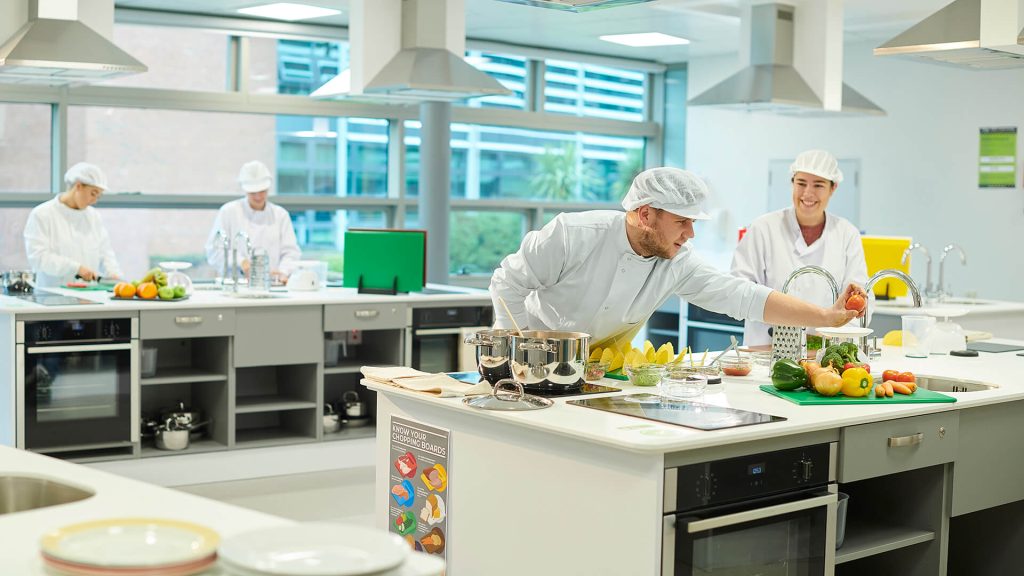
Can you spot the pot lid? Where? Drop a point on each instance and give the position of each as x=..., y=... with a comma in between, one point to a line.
x=508, y=396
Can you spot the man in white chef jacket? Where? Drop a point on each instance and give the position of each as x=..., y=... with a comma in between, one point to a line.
x=604, y=272
x=268, y=225
x=803, y=234
x=65, y=237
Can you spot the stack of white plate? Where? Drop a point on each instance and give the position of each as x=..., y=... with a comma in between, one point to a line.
x=323, y=549
x=130, y=547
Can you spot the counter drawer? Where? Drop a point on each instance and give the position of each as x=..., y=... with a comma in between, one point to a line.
x=194, y=323
x=377, y=316
x=271, y=336
x=892, y=446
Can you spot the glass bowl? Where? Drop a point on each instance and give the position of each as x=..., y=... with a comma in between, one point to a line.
x=733, y=366
x=595, y=370
x=763, y=358
x=710, y=373
x=678, y=385
x=645, y=374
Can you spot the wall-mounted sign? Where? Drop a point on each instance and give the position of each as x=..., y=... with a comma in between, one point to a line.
x=418, y=493
x=997, y=158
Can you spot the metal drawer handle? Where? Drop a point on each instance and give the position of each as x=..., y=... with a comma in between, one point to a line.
x=912, y=440
x=188, y=319
x=367, y=313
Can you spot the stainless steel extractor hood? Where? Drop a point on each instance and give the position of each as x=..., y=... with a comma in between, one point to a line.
x=54, y=47
x=770, y=83
x=423, y=70
x=575, y=5
x=974, y=34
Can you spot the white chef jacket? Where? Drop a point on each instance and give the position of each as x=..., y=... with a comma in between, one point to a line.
x=60, y=239
x=270, y=229
x=774, y=247
x=579, y=273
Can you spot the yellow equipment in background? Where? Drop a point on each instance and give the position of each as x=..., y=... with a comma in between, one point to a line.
x=883, y=252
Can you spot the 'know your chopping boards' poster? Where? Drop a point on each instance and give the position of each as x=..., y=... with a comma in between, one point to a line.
x=418, y=486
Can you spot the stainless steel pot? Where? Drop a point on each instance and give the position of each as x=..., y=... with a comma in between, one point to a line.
x=492, y=353
x=18, y=281
x=186, y=418
x=332, y=422
x=544, y=359
x=172, y=436
x=352, y=406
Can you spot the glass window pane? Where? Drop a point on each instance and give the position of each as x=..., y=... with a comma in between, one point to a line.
x=12, y=238
x=24, y=147
x=479, y=240
x=293, y=66
x=142, y=238
x=197, y=62
x=507, y=69
x=458, y=164
x=594, y=91
x=320, y=233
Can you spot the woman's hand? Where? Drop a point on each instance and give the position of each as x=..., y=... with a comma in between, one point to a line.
x=87, y=274
x=851, y=291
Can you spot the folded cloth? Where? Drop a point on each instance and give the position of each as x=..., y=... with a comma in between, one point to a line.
x=440, y=384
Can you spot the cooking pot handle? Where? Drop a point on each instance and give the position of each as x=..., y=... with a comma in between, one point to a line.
x=515, y=387
x=478, y=341
x=540, y=346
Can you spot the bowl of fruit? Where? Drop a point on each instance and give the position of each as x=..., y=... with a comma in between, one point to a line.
x=152, y=286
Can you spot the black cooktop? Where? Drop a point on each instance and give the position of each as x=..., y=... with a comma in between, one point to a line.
x=676, y=412
x=546, y=391
x=51, y=299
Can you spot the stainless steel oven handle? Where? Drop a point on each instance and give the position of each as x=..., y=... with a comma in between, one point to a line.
x=438, y=332
x=82, y=348
x=759, y=514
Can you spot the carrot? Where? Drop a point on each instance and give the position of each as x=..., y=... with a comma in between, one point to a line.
x=879, y=391
x=901, y=388
x=888, y=388
x=912, y=386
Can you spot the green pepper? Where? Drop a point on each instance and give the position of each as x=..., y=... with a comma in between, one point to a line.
x=788, y=375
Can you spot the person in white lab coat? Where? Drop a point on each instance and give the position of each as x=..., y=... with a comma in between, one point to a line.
x=65, y=237
x=604, y=272
x=804, y=234
x=268, y=225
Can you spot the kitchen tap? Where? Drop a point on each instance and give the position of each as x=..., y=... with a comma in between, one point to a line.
x=915, y=293
x=942, y=270
x=234, y=253
x=929, y=288
x=814, y=270
x=790, y=341
x=222, y=236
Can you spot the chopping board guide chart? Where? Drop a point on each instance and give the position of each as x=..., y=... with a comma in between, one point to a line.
x=418, y=490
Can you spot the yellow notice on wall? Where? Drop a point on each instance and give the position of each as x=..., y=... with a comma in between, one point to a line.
x=883, y=252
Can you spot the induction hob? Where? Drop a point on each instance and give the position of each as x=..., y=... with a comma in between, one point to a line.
x=546, y=392
x=677, y=412
x=51, y=299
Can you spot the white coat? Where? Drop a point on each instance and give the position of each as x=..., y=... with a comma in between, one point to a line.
x=60, y=239
x=270, y=229
x=579, y=273
x=773, y=248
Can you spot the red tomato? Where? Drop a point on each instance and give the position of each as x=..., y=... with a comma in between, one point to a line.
x=890, y=375
x=906, y=377
x=856, y=302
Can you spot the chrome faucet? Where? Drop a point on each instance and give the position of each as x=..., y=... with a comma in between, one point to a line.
x=929, y=288
x=915, y=293
x=791, y=341
x=226, y=245
x=942, y=269
x=234, y=254
x=814, y=270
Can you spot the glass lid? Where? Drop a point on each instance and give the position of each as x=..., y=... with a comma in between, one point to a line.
x=508, y=396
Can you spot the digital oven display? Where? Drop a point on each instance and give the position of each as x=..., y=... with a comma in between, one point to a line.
x=756, y=469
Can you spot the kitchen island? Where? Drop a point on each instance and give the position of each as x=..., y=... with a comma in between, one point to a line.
x=575, y=490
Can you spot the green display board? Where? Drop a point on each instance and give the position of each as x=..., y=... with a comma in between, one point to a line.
x=805, y=397
x=385, y=259
x=997, y=158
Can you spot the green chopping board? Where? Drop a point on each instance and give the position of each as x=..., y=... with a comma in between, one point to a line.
x=617, y=375
x=805, y=397
x=383, y=257
x=93, y=287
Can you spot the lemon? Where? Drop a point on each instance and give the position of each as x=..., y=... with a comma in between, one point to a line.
x=893, y=338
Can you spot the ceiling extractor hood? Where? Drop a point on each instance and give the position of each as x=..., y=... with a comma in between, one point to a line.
x=974, y=34
x=575, y=5
x=422, y=65
x=55, y=47
x=770, y=83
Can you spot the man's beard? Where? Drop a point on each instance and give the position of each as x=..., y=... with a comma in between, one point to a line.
x=651, y=243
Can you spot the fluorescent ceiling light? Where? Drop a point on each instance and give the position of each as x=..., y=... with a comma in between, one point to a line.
x=288, y=11
x=645, y=39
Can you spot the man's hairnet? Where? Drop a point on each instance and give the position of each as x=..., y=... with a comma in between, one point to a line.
x=677, y=191
x=85, y=173
x=820, y=163
x=254, y=177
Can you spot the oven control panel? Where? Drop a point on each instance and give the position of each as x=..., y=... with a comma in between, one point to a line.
x=744, y=477
x=85, y=331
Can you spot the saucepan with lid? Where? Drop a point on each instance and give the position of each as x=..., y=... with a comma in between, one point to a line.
x=549, y=360
x=492, y=353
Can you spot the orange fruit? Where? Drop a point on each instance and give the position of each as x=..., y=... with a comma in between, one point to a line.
x=147, y=290
x=127, y=290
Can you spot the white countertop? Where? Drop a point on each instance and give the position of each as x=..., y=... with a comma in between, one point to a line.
x=209, y=298
x=634, y=434
x=974, y=306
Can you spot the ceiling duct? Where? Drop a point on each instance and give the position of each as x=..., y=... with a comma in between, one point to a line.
x=54, y=47
x=973, y=34
x=770, y=83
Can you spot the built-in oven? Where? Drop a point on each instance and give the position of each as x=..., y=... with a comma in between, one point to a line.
x=76, y=383
x=438, y=336
x=770, y=514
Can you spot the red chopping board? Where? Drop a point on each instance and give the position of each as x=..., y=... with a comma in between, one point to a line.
x=805, y=397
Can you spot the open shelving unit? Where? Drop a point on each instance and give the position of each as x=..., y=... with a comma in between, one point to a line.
x=383, y=347
x=276, y=404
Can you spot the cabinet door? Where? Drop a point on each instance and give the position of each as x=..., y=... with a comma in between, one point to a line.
x=279, y=335
x=989, y=471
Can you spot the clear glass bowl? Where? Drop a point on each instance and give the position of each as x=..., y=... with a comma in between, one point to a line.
x=595, y=370
x=763, y=358
x=733, y=366
x=645, y=374
x=679, y=385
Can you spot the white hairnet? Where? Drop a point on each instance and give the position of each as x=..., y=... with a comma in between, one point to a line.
x=677, y=191
x=254, y=177
x=818, y=162
x=85, y=173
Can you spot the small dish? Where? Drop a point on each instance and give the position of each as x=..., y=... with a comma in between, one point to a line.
x=595, y=370
x=677, y=385
x=845, y=332
x=130, y=543
x=645, y=374
x=733, y=366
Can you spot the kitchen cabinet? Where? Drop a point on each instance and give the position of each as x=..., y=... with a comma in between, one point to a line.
x=277, y=405
x=276, y=336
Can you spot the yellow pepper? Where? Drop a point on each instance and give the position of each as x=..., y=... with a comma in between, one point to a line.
x=856, y=382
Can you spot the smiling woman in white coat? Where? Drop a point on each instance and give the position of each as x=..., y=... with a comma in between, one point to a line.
x=804, y=234
x=65, y=236
x=604, y=272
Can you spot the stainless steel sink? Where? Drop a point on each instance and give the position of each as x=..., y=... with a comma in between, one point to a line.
x=941, y=384
x=255, y=295
x=20, y=493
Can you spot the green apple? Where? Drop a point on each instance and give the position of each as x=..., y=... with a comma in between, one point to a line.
x=166, y=293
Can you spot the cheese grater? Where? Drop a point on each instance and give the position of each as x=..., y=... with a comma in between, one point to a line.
x=788, y=342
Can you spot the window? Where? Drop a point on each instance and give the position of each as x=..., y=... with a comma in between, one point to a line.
x=321, y=234
x=142, y=238
x=293, y=66
x=478, y=240
x=198, y=60
x=12, y=238
x=308, y=160
x=458, y=166
x=24, y=147
x=594, y=91
x=507, y=69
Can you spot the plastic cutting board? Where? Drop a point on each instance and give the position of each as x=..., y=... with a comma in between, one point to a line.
x=805, y=397
x=617, y=375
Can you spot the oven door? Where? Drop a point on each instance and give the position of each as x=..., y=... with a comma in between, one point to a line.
x=75, y=395
x=436, y=349
x=790, y=535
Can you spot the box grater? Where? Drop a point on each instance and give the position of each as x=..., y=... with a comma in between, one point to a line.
x=788, y=342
